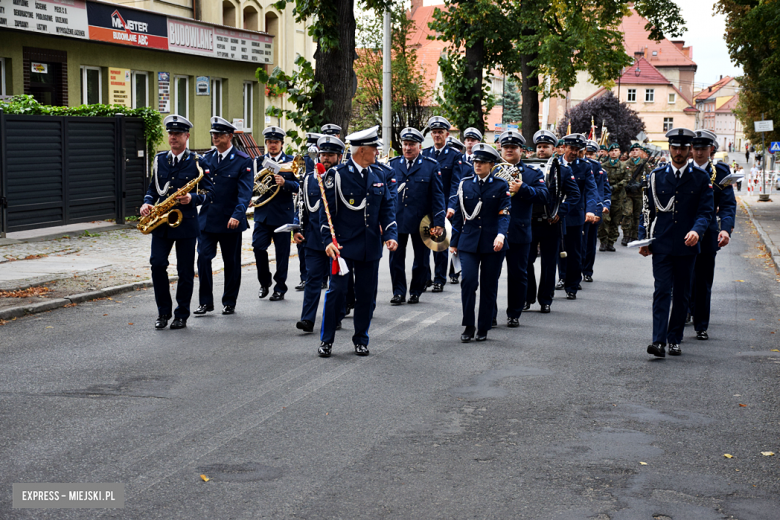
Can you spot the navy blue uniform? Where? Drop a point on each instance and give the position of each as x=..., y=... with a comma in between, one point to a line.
x=310, y=165
x=233, y=181
x=473, y=235
x=278, y=212
x=420, y=193
x=547, y=236
x=704, y=269
x=533, y=191
x=184, y=237
x=363, y=215
x=570, y=268
x=590, y=229
x=312, y=247
x=672, y=260
x=453, y=168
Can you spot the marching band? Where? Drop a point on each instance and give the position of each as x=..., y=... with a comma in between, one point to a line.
x=472, y=205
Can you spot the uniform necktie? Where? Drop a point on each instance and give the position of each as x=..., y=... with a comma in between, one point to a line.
x=436, y=154
x=409, y=165
x=362, y=174
x=175, y=161
x=219, y=158
x=679, y=174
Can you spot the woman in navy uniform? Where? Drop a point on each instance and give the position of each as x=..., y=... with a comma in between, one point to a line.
x=480, y=223
x=310, y=238
x=577, y=215
x=547, y=225
x=363, y=217
x=278, y=212
x=420, y=193
x=172, y=171
x=223, y=219
x=528, y=189
x=678, y=207
x=591, y=229
x=704, y=145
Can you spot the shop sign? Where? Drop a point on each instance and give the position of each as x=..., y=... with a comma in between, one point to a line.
x=164, y=92
x=108, y=23
x=242, y=46
x=202, y=86
x=119, y=86
x=39, y=68
x=55, y=17
x=190, y=38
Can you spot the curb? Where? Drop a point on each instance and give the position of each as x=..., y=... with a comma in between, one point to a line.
x=34, y=308
x=771, y=248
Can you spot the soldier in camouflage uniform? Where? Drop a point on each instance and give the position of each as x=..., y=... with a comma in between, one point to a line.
x=638, y=168
x=603, y=154
x=618, y=174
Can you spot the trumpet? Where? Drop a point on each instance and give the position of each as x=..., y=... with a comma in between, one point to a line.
x=507, y=171
x=266, y=188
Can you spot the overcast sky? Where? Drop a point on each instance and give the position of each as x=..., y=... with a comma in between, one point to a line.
x=706, y=34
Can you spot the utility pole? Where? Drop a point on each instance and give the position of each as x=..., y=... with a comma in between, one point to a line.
x=387, y=92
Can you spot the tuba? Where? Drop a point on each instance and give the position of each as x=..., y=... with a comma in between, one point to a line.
x=266, y=188
x=507, y=171
x=163, y=212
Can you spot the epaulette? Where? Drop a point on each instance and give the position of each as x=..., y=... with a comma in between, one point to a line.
x=163, y=153
x=431, y=159
x=241, y=154
x=396, y=159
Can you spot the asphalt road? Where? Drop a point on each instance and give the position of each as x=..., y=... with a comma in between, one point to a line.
x=548, y=421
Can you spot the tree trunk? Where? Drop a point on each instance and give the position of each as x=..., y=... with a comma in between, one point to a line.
x=475, y=57
x=530, y=98
x=334, y=69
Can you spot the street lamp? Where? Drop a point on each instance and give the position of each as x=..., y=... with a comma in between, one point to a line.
x=637, y=72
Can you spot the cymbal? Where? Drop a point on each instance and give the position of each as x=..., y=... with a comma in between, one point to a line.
x=432, y=242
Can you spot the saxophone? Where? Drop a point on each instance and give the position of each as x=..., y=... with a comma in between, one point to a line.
x=163, y=212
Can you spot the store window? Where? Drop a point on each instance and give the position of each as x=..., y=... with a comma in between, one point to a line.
x=649, y=95
x=91, y=85
x=248, y=107
x=182, y=101
x=216, y=97
x=631, y=95
x=140, y=89
x=668, y=123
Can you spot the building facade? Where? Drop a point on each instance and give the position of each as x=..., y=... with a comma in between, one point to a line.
x=198, y=59
x=716, y=104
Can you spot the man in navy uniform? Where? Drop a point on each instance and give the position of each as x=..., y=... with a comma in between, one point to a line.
x=471, y=136
x=223, y=219
x=527, y=190
x=362, y=212
x=454, y=142
x=310, y=237
x=420, y=193
x=452, y=167
x=480, y=223
x=172, y=171
x=547, y=226
x=577, y=215
x=591, y=229
x=311, y=151
x=678, y=206
x=725, y=213
x=278, y=212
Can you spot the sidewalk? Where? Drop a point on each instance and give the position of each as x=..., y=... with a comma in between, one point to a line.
x=53, y=270
x=766, y=217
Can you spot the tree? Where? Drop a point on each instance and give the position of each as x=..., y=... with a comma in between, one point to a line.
x=410, y=107
x=552, y=40
x=752, y=44
x=623, y=124
x=511, y=104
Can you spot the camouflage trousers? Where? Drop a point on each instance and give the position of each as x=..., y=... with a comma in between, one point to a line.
x=632, y=208
x=608, y=230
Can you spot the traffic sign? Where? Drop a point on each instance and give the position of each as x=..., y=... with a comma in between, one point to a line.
x=774, y=147
x=763, y=126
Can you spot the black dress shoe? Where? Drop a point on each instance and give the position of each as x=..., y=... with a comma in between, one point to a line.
x=276, y=296
x=494, y=322
x=527, y=306
x=602, y=246
x=301, y=286
x=324, y=350
x=437, y=287
x=513, y=322
x=454, y=279
x=305, y=325
x=361, y=350
x=702, y=334
x=656, y=349
x=468, y=334
x=579, y=286
x=263, y=292
x=338, y=326
x=688, y=319
x=324, y=285
x=162, y=322
x=414, y=298
x=560, y=285
x=611, y=248
x=397, y=299
x=571, y=296
x=545, y=309
x=178, y=323
x=203, y=309
x=229, y=309
x=481, y=335
x=587, y=278
x=349, y=309
x=674, y=349
x=428, y=283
